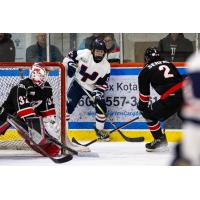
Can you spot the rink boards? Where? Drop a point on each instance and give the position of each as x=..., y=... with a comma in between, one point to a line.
x=123, y=92
x=87, y=135
x=121, y=99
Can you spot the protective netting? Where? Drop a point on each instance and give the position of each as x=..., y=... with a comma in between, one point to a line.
x=10, y=76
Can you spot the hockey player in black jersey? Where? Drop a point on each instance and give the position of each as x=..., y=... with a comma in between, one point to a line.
x=91, y=72
x=30, y=98
x=167, y=82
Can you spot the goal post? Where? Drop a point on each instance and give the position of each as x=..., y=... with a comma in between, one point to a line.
x=11, y=73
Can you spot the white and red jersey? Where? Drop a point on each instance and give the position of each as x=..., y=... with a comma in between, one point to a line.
x=89, y=74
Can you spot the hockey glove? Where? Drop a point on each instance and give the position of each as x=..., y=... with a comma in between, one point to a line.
x=71, y=70
x=144, y=110
x=142, y=106
x=51, y=126
x=97, y=96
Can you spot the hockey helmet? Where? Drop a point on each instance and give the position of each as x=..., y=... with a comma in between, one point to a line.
x=98, y=44
x=151, y=55
x=38, y=74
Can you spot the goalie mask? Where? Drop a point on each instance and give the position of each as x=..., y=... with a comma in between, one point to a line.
x=38, y=74
x=98, y=50
x=151, y=55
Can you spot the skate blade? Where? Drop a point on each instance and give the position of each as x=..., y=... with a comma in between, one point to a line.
x=88, y=154
x=161, y=149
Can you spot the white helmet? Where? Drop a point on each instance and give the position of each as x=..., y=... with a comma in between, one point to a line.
x=38, y=74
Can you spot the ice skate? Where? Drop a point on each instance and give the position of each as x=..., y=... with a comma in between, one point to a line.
x=158, y=145
x=102, y=135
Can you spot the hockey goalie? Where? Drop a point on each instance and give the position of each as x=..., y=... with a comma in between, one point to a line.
x=31, y=101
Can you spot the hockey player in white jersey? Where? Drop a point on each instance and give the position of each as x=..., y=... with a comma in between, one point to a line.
x=188, y=152
x=91, y=72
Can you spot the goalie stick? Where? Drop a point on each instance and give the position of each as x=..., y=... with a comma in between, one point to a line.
x=81, y=154
x=57, y=142
x=16, y=123
x=128, y=139
x=139, y=139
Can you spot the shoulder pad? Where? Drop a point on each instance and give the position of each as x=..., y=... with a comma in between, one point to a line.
x=83, y=55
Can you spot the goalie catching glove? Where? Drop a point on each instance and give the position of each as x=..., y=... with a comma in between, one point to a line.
x=51, y=126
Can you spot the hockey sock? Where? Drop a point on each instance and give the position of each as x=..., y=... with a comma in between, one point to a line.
x=155, y=129
x=100, y=120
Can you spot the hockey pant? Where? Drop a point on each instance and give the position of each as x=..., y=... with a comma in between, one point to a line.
x=160, y=111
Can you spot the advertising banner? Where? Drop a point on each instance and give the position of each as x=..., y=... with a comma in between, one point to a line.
x=121, y=99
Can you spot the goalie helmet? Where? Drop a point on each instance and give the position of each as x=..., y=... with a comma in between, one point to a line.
x=151, y=55
x=38, y=74
x=98, y=45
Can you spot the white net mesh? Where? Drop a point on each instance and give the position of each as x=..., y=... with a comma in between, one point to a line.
x=10, y=76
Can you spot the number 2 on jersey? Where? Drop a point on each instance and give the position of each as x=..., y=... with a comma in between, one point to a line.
x=166, y=71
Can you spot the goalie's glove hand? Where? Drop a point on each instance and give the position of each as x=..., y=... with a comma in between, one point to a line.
x=51, y=126
x=97, y=97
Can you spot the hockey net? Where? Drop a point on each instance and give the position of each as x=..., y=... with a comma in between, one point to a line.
x=10, y=75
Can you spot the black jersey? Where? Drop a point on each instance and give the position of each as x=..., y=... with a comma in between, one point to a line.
x=27, y=99
x=161, y=75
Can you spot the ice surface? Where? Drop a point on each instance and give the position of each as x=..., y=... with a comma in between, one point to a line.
x=110, y=153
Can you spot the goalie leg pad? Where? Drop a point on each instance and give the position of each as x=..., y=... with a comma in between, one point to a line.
x=4, y=127
x=21, y=126
x=52, y=149
x=36, y=130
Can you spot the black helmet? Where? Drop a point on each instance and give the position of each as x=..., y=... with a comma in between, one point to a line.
x=151, y=55
x=98, y=45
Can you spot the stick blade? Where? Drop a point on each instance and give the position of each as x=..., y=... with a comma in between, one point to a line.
x=63, y=159
x=139, y=139
x=88, y=154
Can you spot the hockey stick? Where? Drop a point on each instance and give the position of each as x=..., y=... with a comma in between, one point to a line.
x=128, y=139
x=139, y=139
x=57, y=142
x=19, y=126
x=63, y=146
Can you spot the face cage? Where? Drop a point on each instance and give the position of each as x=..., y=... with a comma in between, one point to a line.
x=41, y=81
